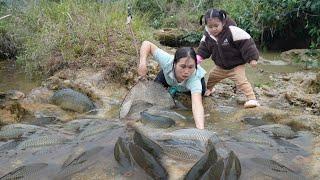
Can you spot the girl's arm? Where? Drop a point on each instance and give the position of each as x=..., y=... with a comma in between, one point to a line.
x=145, y=49
x=197, y=110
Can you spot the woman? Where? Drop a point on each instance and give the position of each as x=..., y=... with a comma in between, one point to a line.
x=179, y=72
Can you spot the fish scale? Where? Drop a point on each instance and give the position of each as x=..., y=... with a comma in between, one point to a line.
x=24, y=172
x=96, y=130
x=192, y=134
x=11, y=133
x=182, y=153
x=255, y=138
x=27, y=127
x=42, y=141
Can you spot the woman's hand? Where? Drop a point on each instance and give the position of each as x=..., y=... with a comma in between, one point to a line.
x=142, y=70
x=197, y=110
x=253, y=63
x=146, y=49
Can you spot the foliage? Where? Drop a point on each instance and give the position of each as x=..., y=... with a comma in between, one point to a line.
x=75, y=34
x=264, y=20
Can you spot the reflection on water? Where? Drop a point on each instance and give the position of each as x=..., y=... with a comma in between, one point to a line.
x=261, y=74
x=13, y=78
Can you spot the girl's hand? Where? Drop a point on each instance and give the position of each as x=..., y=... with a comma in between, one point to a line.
x=253, y=63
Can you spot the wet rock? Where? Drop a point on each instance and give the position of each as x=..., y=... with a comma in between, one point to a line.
x=308, y=58
x=46, y=110
x=38, y=95
x=12, y=111
x=14, y=95
x=178, y=37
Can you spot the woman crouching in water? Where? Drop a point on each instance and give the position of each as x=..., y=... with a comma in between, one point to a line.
x=179, y=73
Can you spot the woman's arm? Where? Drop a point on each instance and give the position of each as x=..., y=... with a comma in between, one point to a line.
x=197, y=110
x=145, y=49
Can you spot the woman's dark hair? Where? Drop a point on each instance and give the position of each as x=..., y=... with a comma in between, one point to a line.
x=185, y=52
x=212, y=13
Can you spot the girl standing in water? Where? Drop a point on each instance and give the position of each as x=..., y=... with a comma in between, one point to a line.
x=230, y=48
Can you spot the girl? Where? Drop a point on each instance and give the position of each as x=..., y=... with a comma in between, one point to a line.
x=179, y=71
x=230, y=48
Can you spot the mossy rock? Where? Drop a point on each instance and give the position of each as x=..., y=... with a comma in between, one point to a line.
x=177, y=37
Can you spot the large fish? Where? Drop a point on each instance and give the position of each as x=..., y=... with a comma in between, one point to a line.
x=26, y=127
x=25, y=172
x=207, y=160
x=11, y=134
x=147, y=162
x=257, y=138
x=69, y=99
x=98, y=129
x=82, y=157
x=176, y=150
x=233, y=167
x=274, y=169
x=184, y=153
x=74, y=165
x=121, y=153
x=192, y=134
x=156, y=121
x=147, y=144
x=149, y=92
x=42, y=141
x=278, y=130
x=215, y=171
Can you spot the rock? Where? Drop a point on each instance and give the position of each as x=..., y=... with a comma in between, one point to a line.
x=38, y=95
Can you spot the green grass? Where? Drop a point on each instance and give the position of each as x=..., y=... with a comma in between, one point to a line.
x=74, y=33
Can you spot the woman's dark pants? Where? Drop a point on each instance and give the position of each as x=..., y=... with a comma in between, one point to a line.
x=161, y=80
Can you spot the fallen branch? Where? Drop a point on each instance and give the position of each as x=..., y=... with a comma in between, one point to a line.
x=5, y=16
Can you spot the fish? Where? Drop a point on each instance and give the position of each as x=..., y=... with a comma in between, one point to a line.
x=121, y=153
x=255, y=138
x=72, y=100
x=156, y=121
x=192, y=134
x=168, y=113
x=136, y=108
x=94, y=130
x=180, y=151
x=184, y=153
x=82, y=157
x=26, y=127
x=214, y=172
x=254, y=121
x=9, y=145
x=275, y=169
x=11, y=134
x=147, y=144
x=201, y=166
x=147, y=162
x=28, y=171
x=233, y=167
x=149, y=92
x=279, y=130
x=41, y=141
x=74, y=165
